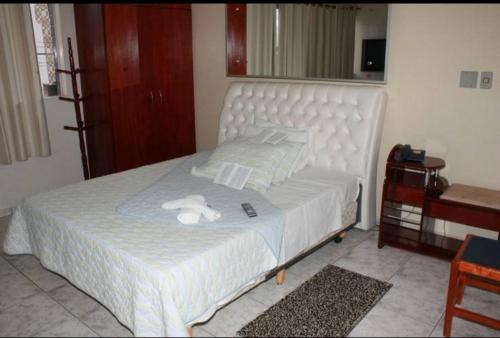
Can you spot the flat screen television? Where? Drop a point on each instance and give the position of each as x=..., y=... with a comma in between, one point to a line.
x=373, y=55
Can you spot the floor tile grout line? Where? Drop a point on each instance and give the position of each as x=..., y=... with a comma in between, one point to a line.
x=395, y=273
x=387, y=281
x=256, y=300
x=72, y=314
x=260, y=302
x=406, y=260
x=48, y=295
x=382, y=305
x=437, y=324
x=347, y=251
x=201, y=327
x=40, y=290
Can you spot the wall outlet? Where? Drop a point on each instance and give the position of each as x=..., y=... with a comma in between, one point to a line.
x=468, y=79
x=486, y=80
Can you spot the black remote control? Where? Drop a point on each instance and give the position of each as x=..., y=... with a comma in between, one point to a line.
x=249, y=210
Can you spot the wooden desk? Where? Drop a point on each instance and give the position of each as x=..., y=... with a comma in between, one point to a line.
x=455, y=208
x=417, y=189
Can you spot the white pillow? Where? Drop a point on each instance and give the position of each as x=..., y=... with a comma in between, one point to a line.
x=286, y=167
x=294, y=135
x=264, y=158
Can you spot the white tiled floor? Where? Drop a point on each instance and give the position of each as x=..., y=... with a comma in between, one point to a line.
x=37, y=302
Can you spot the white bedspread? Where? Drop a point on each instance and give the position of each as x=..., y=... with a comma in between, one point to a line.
x=156, y=279
x=313, y=201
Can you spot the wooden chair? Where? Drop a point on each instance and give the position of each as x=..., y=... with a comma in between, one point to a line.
x=476, y=264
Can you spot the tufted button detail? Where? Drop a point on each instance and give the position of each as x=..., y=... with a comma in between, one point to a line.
x=331, y=113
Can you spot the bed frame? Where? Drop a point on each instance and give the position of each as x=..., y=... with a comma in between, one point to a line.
x=338, y=236
x=344, y=123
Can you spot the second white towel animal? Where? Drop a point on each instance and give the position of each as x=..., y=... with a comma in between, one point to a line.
x=192, y=207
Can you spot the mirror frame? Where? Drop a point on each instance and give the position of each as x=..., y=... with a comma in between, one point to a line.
x=377, y=82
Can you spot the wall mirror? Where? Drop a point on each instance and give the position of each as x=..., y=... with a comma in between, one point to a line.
x=307, y=41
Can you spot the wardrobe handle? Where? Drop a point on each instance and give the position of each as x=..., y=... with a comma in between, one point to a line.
x=151, y=97
x=161, y=97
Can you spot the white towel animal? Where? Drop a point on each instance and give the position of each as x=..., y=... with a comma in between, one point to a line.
x=192, y=207
x=190, y=215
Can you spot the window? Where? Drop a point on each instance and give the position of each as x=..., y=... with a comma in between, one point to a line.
x=43, y=30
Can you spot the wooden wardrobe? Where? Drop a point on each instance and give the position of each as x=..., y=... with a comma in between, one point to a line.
x=137, y=83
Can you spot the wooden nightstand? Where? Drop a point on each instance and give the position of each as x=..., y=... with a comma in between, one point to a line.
x=407, y=186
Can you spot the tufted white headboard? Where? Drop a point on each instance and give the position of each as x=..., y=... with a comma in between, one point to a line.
x=345, y=123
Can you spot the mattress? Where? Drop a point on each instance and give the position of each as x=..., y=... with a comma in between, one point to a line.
x=157, y=279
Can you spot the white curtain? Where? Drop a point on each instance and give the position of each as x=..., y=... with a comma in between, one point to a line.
x=315, y=41
x=344, y=53
x=292, y=40
x=260, y=25
x=23, y=126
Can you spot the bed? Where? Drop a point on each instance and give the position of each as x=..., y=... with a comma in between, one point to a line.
x=159, y=280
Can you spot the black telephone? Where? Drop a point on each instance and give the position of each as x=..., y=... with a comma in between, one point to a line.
x=406, y=153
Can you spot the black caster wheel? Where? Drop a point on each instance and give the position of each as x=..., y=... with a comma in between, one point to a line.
x=338, y=239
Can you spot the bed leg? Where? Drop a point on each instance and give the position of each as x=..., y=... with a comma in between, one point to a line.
x=189, y=330
x=340, y=237
x=280, y=277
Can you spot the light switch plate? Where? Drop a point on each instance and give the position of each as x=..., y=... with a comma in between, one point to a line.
x=468, y=79
x=486, y=80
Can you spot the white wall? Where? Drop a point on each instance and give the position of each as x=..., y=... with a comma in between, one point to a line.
x=22, y=179
x=428, y=46
x=371, y=23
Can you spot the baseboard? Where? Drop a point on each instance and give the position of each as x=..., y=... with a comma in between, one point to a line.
x=5, y=212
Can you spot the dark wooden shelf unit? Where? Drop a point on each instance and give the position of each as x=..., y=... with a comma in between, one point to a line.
x=419, y=241
x=407, y=186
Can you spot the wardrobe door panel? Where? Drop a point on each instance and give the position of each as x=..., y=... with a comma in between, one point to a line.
x=128, y=127
x=176, y=77
x=139, y=81
x=122, y=45
x=126, y=88
x=91, y=45
x=151, y=46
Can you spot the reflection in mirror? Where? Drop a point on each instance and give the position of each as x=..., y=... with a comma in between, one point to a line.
x=260, y=35
x=329, y=41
